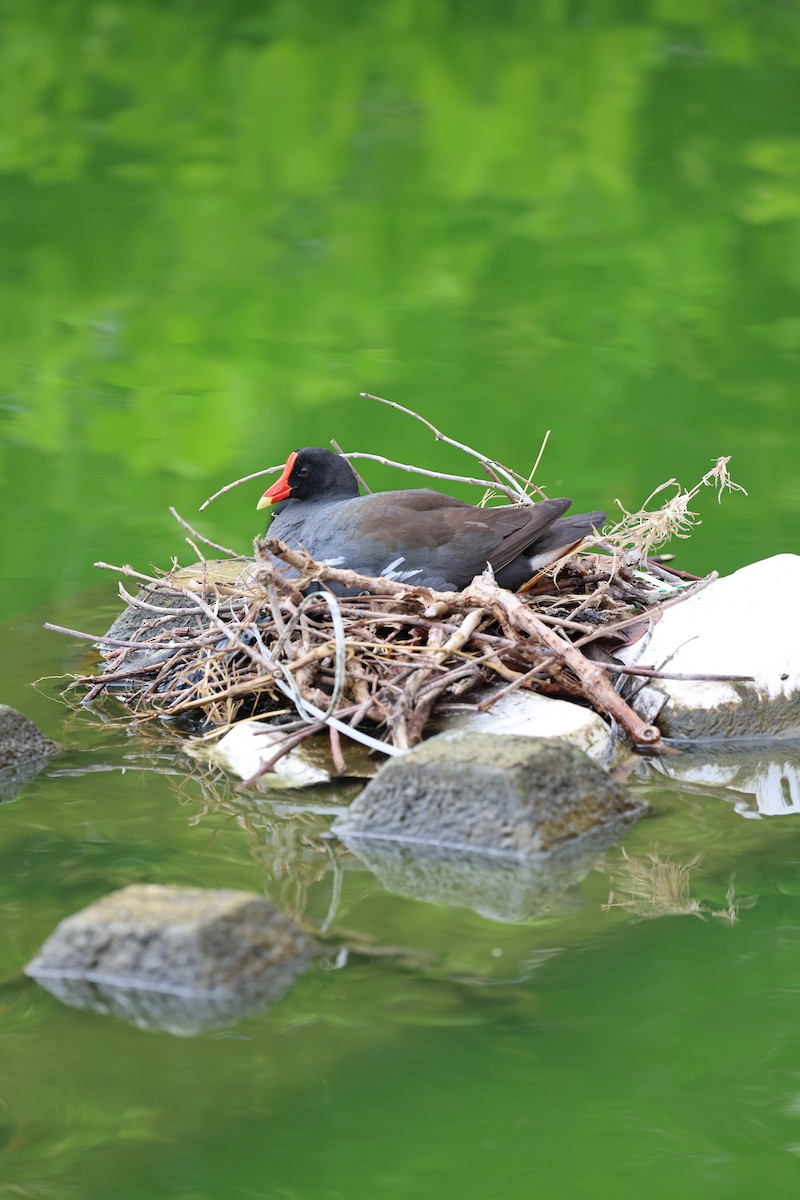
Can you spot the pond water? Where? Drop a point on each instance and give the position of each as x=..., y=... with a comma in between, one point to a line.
x=220, y=223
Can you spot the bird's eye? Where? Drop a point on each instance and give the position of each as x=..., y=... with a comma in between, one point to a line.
x=303, y=471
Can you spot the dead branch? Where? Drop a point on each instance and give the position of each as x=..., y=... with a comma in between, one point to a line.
x=206, y=541
x=511, y=477
x=594, y=681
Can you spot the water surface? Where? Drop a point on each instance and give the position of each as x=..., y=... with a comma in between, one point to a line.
x=221, y=223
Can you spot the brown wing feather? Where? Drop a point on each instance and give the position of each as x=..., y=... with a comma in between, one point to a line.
x=418, y=535
x=511, y=531
x=470, y=536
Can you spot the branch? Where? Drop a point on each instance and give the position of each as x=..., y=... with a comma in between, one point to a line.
x=509, y=476
x=205, y=540
x=595, y=683
x=309, y=570
x=245, y=479
x=510, y=493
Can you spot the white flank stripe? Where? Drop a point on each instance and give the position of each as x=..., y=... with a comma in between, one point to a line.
x=391, y=572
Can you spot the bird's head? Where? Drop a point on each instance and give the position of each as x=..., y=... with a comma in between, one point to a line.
x=312, y=474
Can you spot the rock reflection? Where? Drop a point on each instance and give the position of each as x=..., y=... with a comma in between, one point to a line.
x=176, y=1013
x=508, y=890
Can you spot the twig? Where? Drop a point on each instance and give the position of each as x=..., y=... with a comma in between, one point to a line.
x=207, y=541
x=539, y=457
x=145, y=605
x=520, y=681
x=244, y=479
x=128, y=570
x=510, y=493
x=309, y=570
x=442, y=437
x=595, y=683
x=604, y=630
x=90, y=637
x=288, y=744
x=361, y=482
x=655, y=673
x=336, y=751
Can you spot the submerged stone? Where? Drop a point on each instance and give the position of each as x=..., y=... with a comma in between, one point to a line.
x=499, y=795
x=215, y=947
x=24, y=750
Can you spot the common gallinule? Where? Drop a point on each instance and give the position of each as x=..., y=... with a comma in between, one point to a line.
x=417, y=536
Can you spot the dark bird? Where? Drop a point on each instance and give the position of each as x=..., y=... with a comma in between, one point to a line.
x=417, y=536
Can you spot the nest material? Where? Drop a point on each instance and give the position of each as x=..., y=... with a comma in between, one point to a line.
x=225, y=642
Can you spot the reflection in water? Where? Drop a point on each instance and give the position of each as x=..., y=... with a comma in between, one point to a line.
x=760, y=780
x=500, y=888
x=287, y=839
x=655, y=886
x=169, y=1012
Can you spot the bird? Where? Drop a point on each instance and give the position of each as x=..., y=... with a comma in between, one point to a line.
x=416, y=536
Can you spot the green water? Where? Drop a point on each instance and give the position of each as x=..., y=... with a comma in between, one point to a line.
x=219, y=223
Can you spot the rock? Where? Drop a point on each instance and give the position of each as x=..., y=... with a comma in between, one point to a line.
x=500, y=888
x=249, y=744
x=514, y=796
x=190, y=954
x=528, y=714
x=132, y=621
x=135, y=619
x=743, y=624
x=24, y=750
x=214, y=574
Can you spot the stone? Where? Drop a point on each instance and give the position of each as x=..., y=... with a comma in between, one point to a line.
x=189, y=942
x=743, y=624
x=135, y=620
x=24, y=751
x=529, y=714
x=498, y=795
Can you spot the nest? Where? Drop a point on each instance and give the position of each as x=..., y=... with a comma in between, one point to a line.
x=224, y=642
x=266, y=637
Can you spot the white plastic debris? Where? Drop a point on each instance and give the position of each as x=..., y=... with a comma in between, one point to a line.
x=246, y=748
x=743, y=624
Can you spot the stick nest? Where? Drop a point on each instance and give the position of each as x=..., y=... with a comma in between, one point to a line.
x=224, y=642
